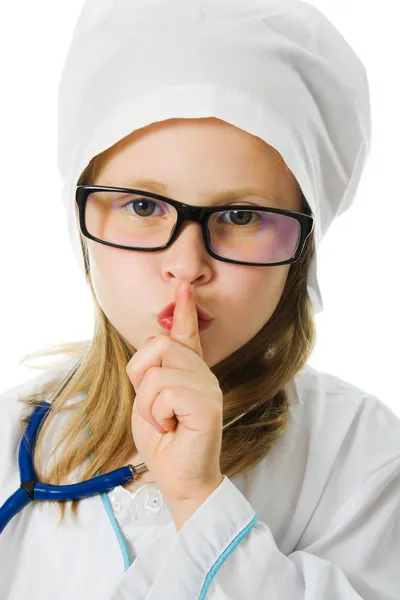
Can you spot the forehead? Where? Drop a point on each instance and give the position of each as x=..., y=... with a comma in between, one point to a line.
x=212, y=157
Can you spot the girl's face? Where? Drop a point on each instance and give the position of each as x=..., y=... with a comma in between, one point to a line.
x=195, y=159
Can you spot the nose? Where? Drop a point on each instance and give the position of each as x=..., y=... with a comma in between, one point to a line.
x=190, y=233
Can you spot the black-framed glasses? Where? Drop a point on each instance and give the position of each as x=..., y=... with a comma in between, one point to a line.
x=244, y=234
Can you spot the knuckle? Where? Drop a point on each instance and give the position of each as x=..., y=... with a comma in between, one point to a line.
x=150, y=377
x=219, y=397
x=216, y=389
x=168, y=394
x=130, y=370
x=141, y=408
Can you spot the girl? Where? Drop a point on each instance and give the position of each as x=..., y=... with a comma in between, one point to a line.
x=205, y=148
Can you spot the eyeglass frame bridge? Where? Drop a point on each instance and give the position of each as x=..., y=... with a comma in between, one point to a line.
x=197, y=214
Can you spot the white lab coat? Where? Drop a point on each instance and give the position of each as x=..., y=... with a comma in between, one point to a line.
x=317, y=519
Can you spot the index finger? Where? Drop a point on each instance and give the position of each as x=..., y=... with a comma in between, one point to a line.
x=185, y=326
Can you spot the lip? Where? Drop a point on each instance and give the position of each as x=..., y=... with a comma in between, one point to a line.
x=168, y=311
x=167, y=323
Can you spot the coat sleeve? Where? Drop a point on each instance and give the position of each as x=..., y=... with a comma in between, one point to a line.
x=224, y=552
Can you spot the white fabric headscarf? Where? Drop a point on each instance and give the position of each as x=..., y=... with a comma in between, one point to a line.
x=278, y=69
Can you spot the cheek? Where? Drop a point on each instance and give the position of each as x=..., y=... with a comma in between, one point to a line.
x=252, y=303
x=258, y=286
x=277, y=281
x=272, y=287
x=246, y=301
x=118, y=274
x=123, y=283
x=113, y=264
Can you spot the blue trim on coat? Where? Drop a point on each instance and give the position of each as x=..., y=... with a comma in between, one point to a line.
x=125, y=552
x=110, y=513
x=117, y=529
x=225, y=555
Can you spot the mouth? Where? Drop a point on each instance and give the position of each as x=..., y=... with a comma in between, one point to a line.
x=168, y=311
x=167, y=323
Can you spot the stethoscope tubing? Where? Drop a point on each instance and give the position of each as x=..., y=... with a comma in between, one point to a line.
x=31, y=489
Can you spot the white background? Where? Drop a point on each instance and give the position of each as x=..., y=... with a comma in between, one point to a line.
x=44, y=299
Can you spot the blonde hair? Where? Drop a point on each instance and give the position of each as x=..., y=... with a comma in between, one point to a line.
x=256, y=373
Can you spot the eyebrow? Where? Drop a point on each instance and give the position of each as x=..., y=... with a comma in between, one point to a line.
x=224, y=196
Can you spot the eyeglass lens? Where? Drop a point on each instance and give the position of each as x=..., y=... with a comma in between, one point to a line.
x=143, y=222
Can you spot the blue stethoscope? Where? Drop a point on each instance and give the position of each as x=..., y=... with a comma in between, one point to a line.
x=31, y=489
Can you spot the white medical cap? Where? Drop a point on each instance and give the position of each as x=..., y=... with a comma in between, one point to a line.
x=277, y=69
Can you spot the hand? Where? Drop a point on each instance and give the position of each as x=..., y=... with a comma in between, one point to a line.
x=176, y=390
